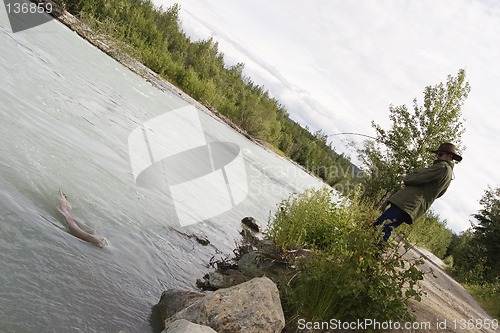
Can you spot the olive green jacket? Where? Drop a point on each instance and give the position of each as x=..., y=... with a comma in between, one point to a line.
x=422, y=188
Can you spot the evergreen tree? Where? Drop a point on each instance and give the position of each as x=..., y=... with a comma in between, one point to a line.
x=487, y=232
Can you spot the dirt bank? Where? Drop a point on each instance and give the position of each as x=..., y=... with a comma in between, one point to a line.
x=446, y=306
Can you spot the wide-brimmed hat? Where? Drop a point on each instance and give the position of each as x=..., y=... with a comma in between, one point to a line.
x=448, y=148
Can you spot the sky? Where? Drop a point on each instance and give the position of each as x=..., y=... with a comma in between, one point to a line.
x=337, y=65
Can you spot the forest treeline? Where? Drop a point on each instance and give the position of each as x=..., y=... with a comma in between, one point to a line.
x=475, y=253
x=153, y=35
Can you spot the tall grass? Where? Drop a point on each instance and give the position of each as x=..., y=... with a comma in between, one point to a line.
x=347, y=276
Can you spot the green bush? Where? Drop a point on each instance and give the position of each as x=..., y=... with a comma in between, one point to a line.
x=468, y=258
x=448, y=261
x=347, y=276
x=475, y=254
x=487, y=295
x=429, y=232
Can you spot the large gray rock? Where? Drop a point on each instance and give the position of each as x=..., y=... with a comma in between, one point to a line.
x=184, y=326
x=250, y=307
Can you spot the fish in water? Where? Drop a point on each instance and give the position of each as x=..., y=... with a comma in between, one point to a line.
x=73, y=225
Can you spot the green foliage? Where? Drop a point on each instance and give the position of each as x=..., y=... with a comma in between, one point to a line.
x=468, y=258
x=476, y=251
x=154, y=36
x=431, y=233
x=488, y=232
x=405, y=145
x=488, y=295
x=448, y=261
x=346, y=277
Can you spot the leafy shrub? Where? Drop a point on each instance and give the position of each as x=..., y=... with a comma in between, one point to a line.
x=429, y=232
x=347, y=276
x=488, y=295
x=448, y=261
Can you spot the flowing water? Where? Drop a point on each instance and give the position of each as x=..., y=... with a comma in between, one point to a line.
x=67, y=111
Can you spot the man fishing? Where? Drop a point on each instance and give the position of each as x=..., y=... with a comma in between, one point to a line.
x=422, y=187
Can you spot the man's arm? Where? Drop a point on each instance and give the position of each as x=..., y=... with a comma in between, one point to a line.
x=427, y=175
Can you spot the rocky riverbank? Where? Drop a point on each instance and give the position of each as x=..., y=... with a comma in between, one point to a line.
x=239, y=295
x=250, y=307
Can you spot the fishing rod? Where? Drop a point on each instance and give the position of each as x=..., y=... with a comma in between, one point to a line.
x=352, y=133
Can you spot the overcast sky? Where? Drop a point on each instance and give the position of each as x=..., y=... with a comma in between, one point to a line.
x=337, y=65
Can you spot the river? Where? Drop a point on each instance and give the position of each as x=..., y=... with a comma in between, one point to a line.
x=68, y=115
